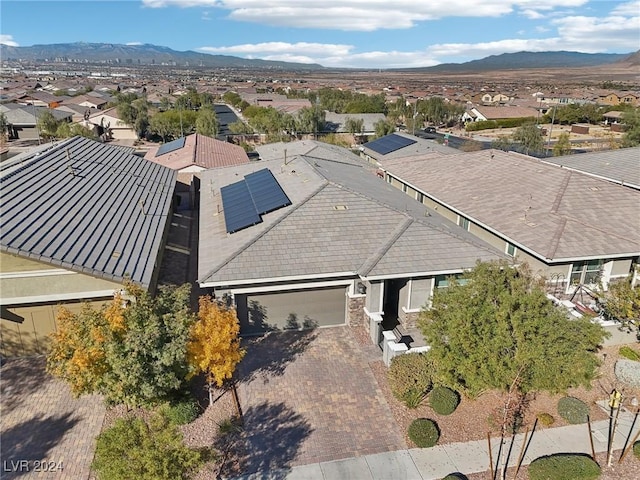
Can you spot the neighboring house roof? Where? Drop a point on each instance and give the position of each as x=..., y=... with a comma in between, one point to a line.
x=200, y=151
x=88, y=100
x=28, y=115
x=552, y=213
x=496, y=113
x=87, y=207
x=618, y=166
x=419, y=146
x=614, y=114
x=335, y=122
x=343, y=221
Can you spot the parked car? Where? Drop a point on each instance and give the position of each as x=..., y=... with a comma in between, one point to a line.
x=430, y=130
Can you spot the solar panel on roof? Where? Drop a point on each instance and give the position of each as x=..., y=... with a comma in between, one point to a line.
x=389, y=143
x=266, y=192
x=239, y=210
x=171, y=146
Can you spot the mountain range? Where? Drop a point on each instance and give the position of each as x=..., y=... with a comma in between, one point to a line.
x=147, y=54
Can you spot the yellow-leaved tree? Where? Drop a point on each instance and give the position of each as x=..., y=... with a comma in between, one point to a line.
x=78, y=353
x=214, y=345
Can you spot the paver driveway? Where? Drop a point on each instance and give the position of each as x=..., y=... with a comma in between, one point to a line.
x=46, y=433
x=311, y=397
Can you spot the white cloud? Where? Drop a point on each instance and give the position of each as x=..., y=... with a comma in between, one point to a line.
x=132, y=44
x=630, y=9
x=281, y=48
x=8, y=40
x=371, y=15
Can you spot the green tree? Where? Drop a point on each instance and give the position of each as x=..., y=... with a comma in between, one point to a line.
x=47, y=125
x=383, y=127
x=529, y=136
x=355, y=126
x=4, y=127
x=67, y=130
x=132, y=448
x=240, y=127
x=135, y=355
x=232, y=98
x=631, y=137
x=497, y=327
x=311, y=120
x=562, y=146
x=207, y=122
x=622, y=303
x=503, y=142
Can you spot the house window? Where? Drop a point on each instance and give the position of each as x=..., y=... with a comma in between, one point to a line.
x=404, y=187
x=419, y=197
x=442, y=281
x=389, y=179
x=511, y=250
x=463, y=222
x=587, y=273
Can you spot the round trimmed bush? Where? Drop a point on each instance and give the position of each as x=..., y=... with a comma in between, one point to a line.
x=410, y=378
x=182, y=411
x=455, y=476
x=573, y=410
x=424, y=432
x=443, y=400
x=546, y=419
x=636, y=449
x=564, y=466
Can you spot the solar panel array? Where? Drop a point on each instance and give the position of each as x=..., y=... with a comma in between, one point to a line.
x=171, y=146
x=389, y=143
x=245, y=201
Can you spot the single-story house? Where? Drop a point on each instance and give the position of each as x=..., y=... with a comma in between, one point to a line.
x=191, y=155
x=400, y=144
x=336, y=122
x=22, y=120
x=88, y=101
x=572, y=228
x=109, y=119
x=482, y=113
x=77, y=219
x=312, y=237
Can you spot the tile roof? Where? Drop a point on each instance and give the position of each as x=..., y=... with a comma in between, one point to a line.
x=87, y=207
x=343, y=220
x=201, y=151
x=555, y=214
x=619, y=166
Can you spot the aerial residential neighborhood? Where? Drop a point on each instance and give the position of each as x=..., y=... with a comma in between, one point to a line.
x=251, y=257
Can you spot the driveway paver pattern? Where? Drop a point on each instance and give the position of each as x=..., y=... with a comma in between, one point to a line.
x=311, y=397
x=45, y=432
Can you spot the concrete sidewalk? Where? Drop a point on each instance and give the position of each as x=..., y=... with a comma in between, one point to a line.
x=468, y=457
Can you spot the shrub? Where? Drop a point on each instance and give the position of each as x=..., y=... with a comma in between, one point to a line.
x=564, y=466
x=424, y=432
x=182, y=411
x=410, y=378
x=132, y=448
x=636, y=449
x=573, y=410
x=628, y=352
x=627, y=372
x=545, y=419
x=443, y=400
x=455, y=476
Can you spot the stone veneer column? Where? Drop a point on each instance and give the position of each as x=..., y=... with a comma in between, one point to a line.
x=356, y=315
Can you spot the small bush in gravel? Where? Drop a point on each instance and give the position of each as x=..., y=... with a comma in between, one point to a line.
x=629, y=353
x=182, y=411
x=546, y=419
x=132, y=448
x=410, y=378
x=564, y=466
x=636, y=449
x=573, y=410
x=443, y=400
x=627, y=372
x=424, y=432
x=456, y=476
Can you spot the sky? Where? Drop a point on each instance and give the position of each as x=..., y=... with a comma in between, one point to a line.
x=344, y=33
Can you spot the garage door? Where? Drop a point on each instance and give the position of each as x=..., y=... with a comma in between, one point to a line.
x=293, y=309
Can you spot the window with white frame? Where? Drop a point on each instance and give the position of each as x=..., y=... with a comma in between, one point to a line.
x=587, y=272
x=419, y=197
x=510, y=249
x=389, y=179
x=463, y=222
